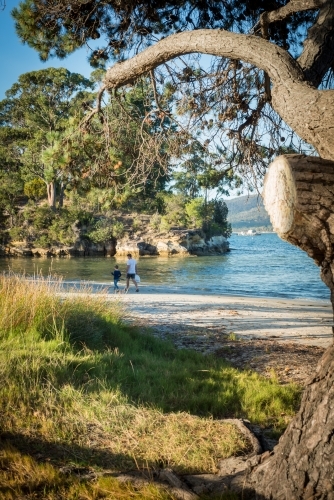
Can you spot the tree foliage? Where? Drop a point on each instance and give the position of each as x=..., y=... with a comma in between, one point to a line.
x=36, y=115
x=223, y=103
x=125, y=26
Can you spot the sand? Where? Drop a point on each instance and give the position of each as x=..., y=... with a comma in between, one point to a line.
x=306, y=322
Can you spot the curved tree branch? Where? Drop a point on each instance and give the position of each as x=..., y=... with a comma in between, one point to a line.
x=308, y=111
x=291, y=8
x=318, y=53
x=215, y=42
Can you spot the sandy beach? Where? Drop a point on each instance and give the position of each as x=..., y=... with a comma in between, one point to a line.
x=306, y=322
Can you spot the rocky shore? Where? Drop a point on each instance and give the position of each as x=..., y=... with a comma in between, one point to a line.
x=140, y=241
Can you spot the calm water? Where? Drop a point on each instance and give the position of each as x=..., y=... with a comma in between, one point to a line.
x=261, y=265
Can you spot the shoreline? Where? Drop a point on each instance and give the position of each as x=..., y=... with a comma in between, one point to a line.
x=303, y=321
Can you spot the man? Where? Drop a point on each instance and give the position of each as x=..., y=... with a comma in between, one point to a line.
x=131, y=271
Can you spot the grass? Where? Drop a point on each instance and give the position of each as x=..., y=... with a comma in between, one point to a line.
x=23, y=477
x=79, y=385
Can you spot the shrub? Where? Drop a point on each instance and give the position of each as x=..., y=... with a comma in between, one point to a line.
x=174, y=211
x=105, y=229
x=155, y=221
x=136, y=224
x=42, y=218
x=101, y=231
x=118, y=229
x=42, y=241
x=165, y=225
x=17, y=233
x=35, y=189
x=195, y=211
x=61, y=231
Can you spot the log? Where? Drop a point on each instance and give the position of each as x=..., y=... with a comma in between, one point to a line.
x=299, y=197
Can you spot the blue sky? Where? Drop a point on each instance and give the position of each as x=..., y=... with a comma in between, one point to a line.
x=16, y=58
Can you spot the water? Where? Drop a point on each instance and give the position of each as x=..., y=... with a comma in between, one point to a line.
x=261, y=266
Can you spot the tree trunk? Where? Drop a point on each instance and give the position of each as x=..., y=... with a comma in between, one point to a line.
x=302, y=464
x=299, y=197
x=298, y=194
x=61, y=194
x=51, y=190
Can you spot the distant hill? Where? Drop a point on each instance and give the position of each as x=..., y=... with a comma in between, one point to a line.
x=248, y=212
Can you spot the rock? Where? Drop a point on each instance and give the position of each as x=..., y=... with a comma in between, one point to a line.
x=176, y=242
x=206, y=484
x=178, y=488
x=15, y=250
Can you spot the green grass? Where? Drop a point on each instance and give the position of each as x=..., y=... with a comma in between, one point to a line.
x=79, y=384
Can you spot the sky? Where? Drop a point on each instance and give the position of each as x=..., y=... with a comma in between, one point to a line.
x=16, y=58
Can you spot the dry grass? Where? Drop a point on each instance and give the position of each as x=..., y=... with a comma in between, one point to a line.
x=185, y=443
x=22, y=477
x=79, y=386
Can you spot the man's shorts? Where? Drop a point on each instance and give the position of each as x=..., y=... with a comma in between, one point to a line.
x=130, y=276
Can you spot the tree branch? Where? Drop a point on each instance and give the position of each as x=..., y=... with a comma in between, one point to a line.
x=306, y=110
x=274, y=60
x=96, y=110
x=290, y=8
x=318, y=54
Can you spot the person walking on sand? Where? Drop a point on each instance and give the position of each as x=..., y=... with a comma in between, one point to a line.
x=131, y=271
x=117, y=276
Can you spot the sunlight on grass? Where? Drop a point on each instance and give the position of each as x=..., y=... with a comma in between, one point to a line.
x=82, y=385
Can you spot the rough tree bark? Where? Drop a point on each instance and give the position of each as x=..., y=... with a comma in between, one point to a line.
x=51, y=191
x=301, y=466
x=299, y=197
x=298, y=194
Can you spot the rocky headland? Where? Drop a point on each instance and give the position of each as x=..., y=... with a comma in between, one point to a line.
x=139, y=238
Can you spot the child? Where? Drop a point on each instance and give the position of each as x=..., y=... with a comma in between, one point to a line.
x=117, y=276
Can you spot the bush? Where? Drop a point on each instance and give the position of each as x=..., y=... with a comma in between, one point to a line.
x=105, y=229
x=136, y=224
x=118, y=229
x=61, y=231
x=42, y=241
x=75, y=213
x=165, y=225
x=195, y=210
x=17, y=233
x=155, y=221
x=101, y=231
x=174, y=212
x=35, y=189
x=42, y=218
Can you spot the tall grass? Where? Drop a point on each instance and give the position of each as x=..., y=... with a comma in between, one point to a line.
x=80, y=384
